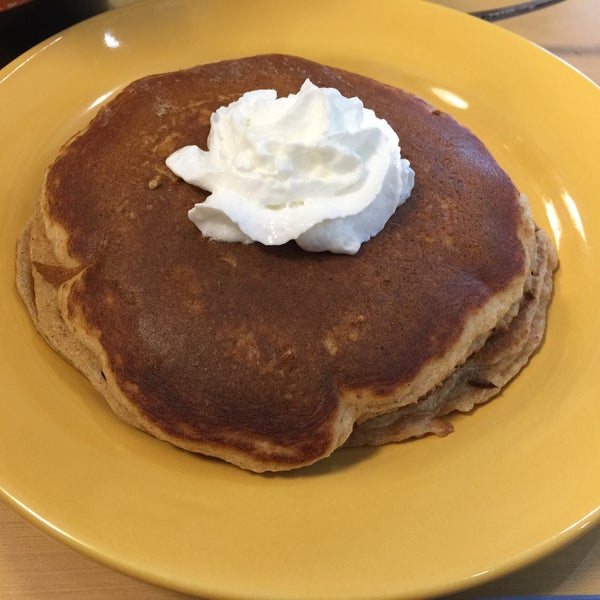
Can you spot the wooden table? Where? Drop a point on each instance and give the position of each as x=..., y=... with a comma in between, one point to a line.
x=34, y=566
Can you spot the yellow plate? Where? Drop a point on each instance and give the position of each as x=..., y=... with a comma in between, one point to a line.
x=516, y=480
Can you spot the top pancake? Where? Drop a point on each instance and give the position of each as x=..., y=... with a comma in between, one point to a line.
x=266, y=356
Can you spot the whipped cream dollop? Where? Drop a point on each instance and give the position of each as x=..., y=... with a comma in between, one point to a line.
x=314, y=167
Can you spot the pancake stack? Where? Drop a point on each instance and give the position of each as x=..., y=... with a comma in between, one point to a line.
x=268, y=357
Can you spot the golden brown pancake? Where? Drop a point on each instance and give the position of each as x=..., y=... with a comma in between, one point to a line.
x=270, y=357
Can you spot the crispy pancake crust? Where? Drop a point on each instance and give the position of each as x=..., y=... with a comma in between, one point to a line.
x=266, y=356
x=483, y=374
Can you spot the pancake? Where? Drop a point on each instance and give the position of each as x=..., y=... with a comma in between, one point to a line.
x=271, y=358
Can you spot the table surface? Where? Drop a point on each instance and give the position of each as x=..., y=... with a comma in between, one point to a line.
x=32, y=565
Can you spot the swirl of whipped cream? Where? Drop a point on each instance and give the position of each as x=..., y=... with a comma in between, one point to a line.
x=314, y=167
